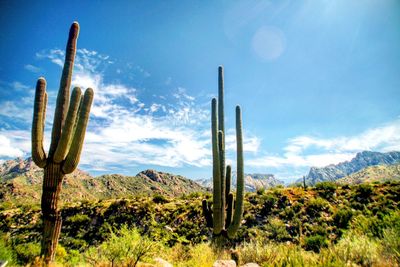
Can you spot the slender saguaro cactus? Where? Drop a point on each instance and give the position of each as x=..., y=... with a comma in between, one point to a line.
x=70, y=120
x=224, y=216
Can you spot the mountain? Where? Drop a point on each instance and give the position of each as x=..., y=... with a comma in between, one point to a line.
x=360, y=161
x=252, y=181
x=21, y=182
x=371, y=174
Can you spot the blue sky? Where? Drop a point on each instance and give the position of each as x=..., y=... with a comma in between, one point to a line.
x=318, y=81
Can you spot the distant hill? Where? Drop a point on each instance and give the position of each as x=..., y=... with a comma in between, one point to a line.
x=21, y=181
x=371, y=174
x=359, y=162
x=252, y=181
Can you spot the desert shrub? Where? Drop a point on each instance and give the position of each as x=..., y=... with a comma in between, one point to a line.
x=159, y=199
x=125, y=246
x=358, y=249
x=315, y=242
x=78, y=219
x=73, y=258
x=326, y=189
x=317, y=205
x=27, y=252
x=202, y=255
x=257, y=252
x=287, y=213
x=6, y=252
x=342, y=218
x=260, y=190
x=277, y=230
x=363, y=193
x=391, y=243
x=269, y=203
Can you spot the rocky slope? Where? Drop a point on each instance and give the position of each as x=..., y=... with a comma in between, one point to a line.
x=252, y=181
x=21, y=181
x=381, y=173
x=362, y=160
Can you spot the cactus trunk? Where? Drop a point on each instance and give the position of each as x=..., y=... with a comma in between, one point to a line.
x=70, y=121
x=225, y=216
x=52, y=184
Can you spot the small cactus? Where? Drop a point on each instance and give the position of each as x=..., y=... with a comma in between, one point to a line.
x=225, y=215
x=304, y=183
x=69, y=127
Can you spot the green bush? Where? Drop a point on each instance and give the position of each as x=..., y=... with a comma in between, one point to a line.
x=316, y=206
x=326, y=189
x=277, y=230
x=27, y=252
x=363, y=193
x=342, y=218
x=358, y=249
x=315, y=242
x=160, y=199
x=6, y=252
x=124, y=247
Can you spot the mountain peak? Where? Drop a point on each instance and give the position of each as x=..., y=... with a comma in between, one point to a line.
x=362, y=160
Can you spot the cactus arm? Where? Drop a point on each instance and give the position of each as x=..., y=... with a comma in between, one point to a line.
x=69, y=125
x=39, y=113
x=221, y=123
x=63, y=94
x=218, y=223
x=228, y=181
x=44, y=110
x=221, y=127
x=229, y=212
x=237, y=217
x=72, y=159
x=207, y=213
x=221, y=148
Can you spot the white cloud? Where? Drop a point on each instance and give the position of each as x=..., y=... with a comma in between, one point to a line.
x=307, y=151
x=14, y=143
x=11, y=110
x=32, y=68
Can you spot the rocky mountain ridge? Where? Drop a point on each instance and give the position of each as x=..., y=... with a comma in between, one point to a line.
x=252, y=181
x=361, y=161
x=21, y=181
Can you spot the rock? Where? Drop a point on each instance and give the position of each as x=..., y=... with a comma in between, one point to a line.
x=251, y=264
x=224, y=263
x=162, y=263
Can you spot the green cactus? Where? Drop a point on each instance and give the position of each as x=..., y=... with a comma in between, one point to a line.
x=69, y=127
x=225, y=215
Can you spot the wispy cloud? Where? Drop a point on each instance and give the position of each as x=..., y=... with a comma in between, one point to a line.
x=125, y=131
x=307, y=151
x=32, y=68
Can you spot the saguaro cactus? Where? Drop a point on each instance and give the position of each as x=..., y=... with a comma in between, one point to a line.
x=224, y=216
x=70, y=120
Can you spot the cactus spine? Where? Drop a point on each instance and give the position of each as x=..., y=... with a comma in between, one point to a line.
x=69, y=127
x=224, y=216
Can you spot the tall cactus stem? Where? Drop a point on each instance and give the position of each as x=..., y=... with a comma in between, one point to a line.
x=70, y=121
x=217, y=206
x=226, y=213
x=63, y=93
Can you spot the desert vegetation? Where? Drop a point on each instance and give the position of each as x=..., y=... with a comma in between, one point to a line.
x=281, y=227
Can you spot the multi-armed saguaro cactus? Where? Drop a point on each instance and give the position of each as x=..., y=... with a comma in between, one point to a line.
x=70, y=120
x=224, y=216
